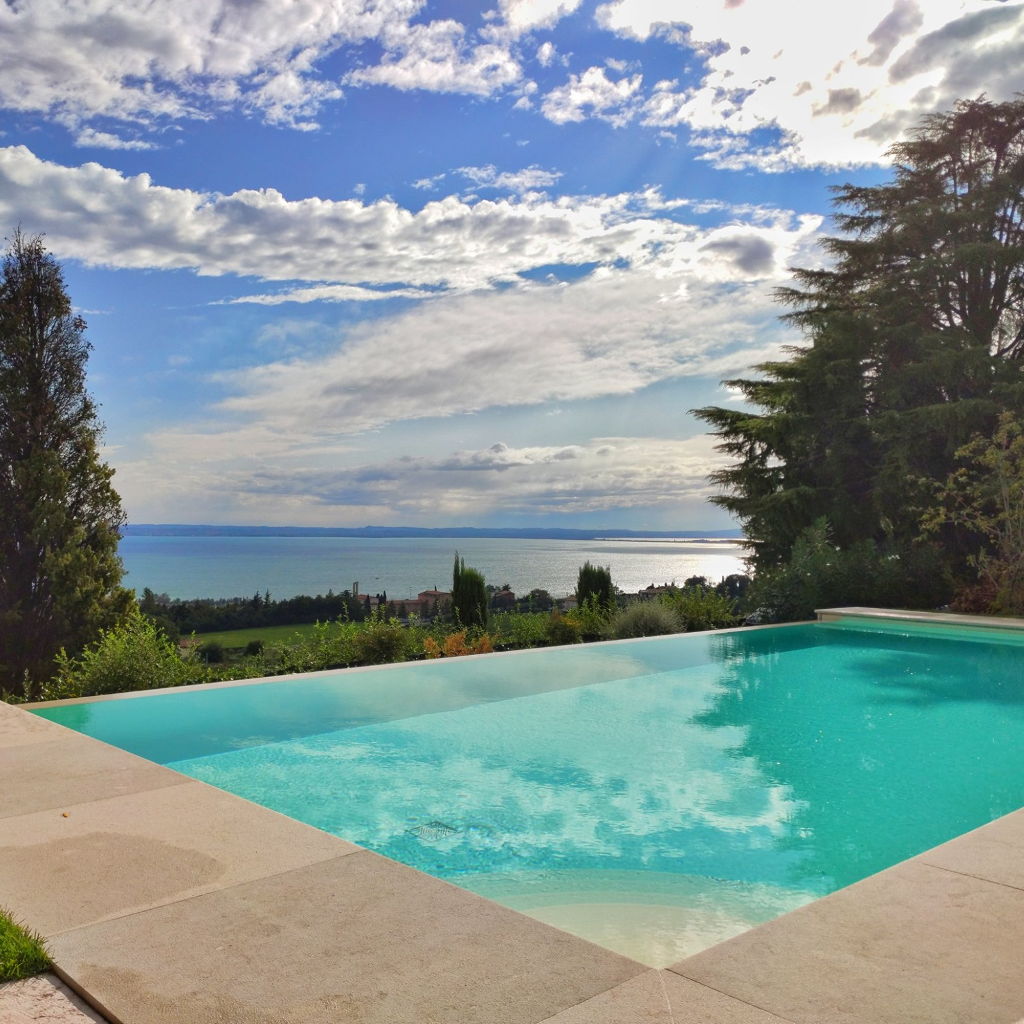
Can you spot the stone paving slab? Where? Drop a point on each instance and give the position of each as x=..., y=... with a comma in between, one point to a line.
x=915, y=944
x=994, y=852
x=359, y=939
x=44, y=999
x=56, y=768
x=662, y=997
x=140, y=850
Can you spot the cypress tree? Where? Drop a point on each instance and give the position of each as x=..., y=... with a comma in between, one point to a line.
x=59, y=571
x=594, y=584
x=469, y=595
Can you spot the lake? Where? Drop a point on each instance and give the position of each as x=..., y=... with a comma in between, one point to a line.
x=186, y=567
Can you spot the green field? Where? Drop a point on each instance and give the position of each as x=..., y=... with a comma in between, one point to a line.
x=231, y=638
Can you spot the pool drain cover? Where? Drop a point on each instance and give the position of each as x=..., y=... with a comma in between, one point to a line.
x=432, y=830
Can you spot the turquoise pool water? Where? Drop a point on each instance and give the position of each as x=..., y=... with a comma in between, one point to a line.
x=654, y=796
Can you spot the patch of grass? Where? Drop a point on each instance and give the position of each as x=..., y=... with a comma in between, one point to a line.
x=22, y=952
x=231, y=639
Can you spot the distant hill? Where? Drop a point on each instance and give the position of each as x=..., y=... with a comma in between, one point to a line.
x=531, y=533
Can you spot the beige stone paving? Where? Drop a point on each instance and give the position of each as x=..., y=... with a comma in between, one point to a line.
x=995, y=852
x=44, y=999
x=40, y=773
x=166, y=844
x=662, y=997
x=358, y=939
x=915, y=944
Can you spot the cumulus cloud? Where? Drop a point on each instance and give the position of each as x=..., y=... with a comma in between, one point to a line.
x=75, y=62
x=97, y=215
x=836, y=84
x=437, y=56
x=524, y=15
x=593, y=94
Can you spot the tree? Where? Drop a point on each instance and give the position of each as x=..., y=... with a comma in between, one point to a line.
x=59, y=571
x=469, y=595
x=985, y=494
x=916, y=344
x=594, y=586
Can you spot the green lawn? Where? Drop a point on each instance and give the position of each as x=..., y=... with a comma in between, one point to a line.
x=22, y=952
x=231, y=638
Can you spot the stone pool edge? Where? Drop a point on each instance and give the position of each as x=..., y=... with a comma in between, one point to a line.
x=931, y=939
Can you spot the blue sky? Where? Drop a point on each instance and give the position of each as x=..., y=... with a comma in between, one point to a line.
x=399, y=262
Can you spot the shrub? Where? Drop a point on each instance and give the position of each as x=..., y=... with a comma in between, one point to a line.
x=820, y=575
x=645, y=618
x=456, y=645
x=697, y=608
x=381, y=641
x=133, y=655
x=563, y=629
x=594, y=618
x=212, y=653
x=520, y=629
x=253, y=647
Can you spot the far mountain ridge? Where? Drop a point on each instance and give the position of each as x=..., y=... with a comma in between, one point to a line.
x=523, y=533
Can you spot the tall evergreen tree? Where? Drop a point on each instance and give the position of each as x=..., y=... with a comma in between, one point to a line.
x=594, y=584
x=916, y=343
x=59, y=571
x=469, y=594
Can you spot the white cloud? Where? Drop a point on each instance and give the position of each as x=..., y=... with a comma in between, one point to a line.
x=546, y=53
x=525, y=15
x=89, y=137
x=437, y=57
x=101, y=217
x=528, y=179
x=328, y=293
x=839, y=83
x=593, y=94
x=613, y=333
x=77, y=61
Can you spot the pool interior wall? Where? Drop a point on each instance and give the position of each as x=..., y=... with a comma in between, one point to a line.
x=654, y=796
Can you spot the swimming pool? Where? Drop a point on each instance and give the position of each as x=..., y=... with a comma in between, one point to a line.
x=654, y=796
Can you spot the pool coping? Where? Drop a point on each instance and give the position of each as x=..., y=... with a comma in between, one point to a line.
x=931, y=939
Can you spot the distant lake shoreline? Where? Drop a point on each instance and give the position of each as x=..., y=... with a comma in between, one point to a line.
x=220, y=566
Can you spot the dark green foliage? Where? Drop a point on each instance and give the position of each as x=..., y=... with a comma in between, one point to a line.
x=469, y=595
x=212, y=652
x=207, y=615
x=253, y=647
x=594, y=583
x=538, y=600
x=734, y=587
x=59, y=571
x=915, y=343
x=986, y=495
x=820, y=575
x=22, y=951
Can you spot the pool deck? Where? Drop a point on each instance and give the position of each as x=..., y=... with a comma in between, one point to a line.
x=166, y=901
